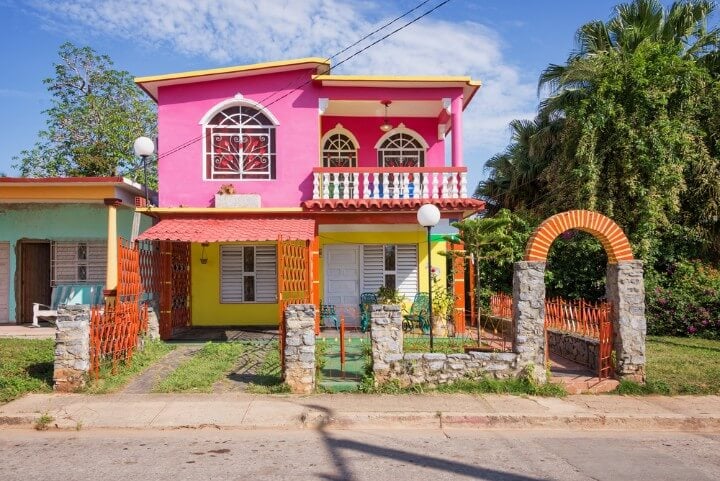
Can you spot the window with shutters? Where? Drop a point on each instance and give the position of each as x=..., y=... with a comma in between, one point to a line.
x=390, y=265
x=248, y=274
x=78, y=262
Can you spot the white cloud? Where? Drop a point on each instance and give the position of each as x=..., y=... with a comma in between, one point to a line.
x=238, y=31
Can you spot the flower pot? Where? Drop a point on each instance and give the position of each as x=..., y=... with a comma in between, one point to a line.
x=439, y=325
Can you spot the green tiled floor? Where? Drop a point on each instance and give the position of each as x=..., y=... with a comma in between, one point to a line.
x=337, y=378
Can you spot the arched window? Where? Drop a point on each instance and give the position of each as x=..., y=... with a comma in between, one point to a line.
x=240, y=144
x=401, y=149
x=339, y=151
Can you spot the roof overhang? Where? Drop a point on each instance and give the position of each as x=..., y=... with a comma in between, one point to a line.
x=151, y=84
x=69, y=189
x=218, y=229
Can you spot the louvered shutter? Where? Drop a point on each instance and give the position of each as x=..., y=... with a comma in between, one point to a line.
x=66, y=264
x=96, y=262
x=231, y=274
x=373, y=268
x=266, y=274
x=407, y=269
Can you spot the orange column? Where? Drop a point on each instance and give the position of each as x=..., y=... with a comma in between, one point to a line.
x=458, y=261
x=315, y=279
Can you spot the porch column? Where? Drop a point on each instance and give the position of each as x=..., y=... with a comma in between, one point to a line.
x=111, y=270
x=315, y=279
x=456, y=115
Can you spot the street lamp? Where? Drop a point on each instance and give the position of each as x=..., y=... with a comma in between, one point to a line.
x=428, y=216
x=144, y=147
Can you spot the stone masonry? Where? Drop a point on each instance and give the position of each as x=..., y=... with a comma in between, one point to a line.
x=72, y=348
x=529, y=317
x=626, y=291
x=300, y=348
x=431, y=369
x=580, y=349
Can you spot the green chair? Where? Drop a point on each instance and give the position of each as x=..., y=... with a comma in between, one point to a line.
x=418, y=315
x=367, y=299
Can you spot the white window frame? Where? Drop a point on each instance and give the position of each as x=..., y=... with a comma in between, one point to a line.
x=235, y=294
x=339, y=130
x=418, y=152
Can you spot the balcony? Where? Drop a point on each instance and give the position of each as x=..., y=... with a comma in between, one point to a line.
x=389, y=183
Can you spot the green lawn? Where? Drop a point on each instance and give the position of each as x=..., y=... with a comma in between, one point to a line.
x=200, y=372
x=678, y=365
x=445, y=345
x=26, y=365
x=269, y=378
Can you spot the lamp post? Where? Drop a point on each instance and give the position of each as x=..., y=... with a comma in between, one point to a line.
x=144, y=147
x=428, y=216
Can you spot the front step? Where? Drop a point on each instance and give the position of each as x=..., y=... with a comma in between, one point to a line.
x=585, y=385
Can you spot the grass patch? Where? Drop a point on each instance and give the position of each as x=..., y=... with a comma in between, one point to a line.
x=199, y=373
x=678, y=365
x=269, y=378
x=26, y=366
x=522, y=386
x=445, y=345
x=142, y=359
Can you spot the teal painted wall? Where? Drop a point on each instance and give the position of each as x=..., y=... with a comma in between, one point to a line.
x=57, y=222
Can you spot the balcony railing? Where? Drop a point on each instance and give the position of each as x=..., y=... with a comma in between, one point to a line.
x=390, y=183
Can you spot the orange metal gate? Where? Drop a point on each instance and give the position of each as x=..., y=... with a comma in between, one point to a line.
x=175, y=287
x=294, y=280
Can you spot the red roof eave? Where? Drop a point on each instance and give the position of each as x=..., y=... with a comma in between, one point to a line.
x=250, y=229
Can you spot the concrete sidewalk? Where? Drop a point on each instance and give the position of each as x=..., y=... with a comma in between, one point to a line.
x=342, y=411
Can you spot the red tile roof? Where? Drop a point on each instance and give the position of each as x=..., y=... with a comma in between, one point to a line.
x=230, y=230
x=370, y=205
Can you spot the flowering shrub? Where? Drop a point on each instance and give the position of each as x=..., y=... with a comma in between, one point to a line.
x=685, y=301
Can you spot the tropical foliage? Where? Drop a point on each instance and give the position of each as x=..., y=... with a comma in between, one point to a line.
x=96, y=114
x=629, y=127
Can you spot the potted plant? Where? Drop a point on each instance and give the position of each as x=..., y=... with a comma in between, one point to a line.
x=390, y=295
x=443, y=302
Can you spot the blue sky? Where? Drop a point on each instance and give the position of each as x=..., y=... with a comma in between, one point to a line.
x=503, y=43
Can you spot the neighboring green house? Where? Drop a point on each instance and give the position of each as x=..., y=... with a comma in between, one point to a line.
x=54, y=231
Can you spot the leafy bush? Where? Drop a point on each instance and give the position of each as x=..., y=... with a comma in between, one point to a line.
x=684, y=300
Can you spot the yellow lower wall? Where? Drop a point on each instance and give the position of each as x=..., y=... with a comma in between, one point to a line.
x=419, y=238
x=205, y=287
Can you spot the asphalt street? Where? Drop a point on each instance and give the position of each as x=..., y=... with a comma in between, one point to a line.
x=398, y=455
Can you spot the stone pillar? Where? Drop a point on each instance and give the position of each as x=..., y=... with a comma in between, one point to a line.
x=625, y=289
x=72, y=348
x=529, y=316
x=300, y=348
x=387, y=339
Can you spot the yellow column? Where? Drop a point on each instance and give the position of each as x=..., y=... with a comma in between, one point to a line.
x=111, y=276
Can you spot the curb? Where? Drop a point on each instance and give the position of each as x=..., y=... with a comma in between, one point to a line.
x=411, y=420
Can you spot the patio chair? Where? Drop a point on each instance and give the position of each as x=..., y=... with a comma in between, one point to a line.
x=418, y=315
x=64, y=295
x=328, y=316
x=367, y=299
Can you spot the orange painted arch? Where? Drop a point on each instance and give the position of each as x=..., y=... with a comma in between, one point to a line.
x=610, y=235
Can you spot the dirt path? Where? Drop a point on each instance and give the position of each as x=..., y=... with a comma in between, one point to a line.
x=144, y=383
x=247, y=368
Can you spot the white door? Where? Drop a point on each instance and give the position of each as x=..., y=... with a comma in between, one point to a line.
x=4, y=281
x=342, y=280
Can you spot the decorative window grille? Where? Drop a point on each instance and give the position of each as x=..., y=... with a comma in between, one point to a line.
x=339, y=151
x=401, y=150
x=78, y=262
x=240, y=145
x=390, y=265
x=248, y=274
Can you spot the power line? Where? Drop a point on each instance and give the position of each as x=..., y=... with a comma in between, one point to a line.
x=402, y=27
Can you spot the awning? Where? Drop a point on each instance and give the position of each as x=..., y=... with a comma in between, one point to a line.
x=230, y=230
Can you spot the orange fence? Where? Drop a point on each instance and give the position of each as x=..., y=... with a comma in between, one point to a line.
x=115, y=327
x=501, y=305
x=293, y=280
x=578, y=316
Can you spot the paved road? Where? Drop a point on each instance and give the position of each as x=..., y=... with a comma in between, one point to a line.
x=396, y=455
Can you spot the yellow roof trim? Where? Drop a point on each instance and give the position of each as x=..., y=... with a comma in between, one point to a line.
x=397, y=78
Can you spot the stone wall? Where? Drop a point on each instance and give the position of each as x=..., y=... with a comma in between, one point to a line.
x=72, y=348
x=299, y=352
x=580, y=349
x=625, y=289
x=390, y=363
x=529, y=317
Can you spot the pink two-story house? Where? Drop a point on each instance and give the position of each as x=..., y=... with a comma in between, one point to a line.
x=340, y=161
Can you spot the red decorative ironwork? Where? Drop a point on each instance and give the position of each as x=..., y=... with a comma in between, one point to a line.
x=174, y=267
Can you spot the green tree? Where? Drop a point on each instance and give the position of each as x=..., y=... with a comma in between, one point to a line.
x=96, y=114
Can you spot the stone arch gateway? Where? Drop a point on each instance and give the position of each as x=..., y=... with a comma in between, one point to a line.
x=624, y=289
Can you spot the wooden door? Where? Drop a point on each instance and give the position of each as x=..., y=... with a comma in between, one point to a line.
x=34, y=277
x=4, y=282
